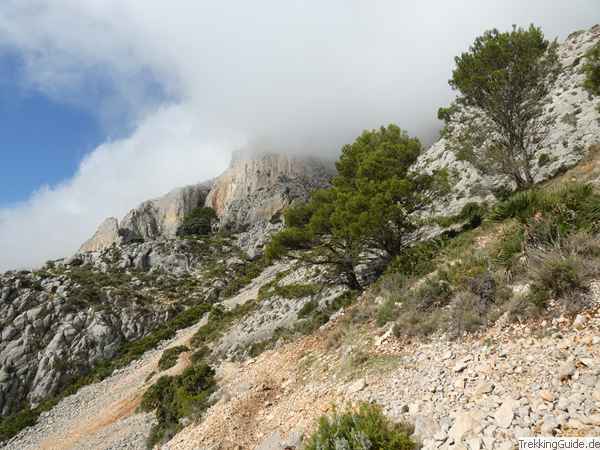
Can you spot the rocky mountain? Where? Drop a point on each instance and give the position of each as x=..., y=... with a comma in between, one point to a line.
x=474, y=364
x=152, y=219
x=248, y=197
x=257, y=187
x=576, y=127
x=58, y=322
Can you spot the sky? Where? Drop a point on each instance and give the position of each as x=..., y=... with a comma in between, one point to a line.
x=106, y=103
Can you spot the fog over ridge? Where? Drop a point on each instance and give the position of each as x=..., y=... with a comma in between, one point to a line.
x=192, y=81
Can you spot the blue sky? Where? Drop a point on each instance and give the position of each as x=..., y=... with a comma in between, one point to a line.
x=42, y=141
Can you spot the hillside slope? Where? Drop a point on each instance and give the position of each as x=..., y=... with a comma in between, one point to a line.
x=486, y=332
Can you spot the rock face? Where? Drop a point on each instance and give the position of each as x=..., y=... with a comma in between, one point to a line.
x=152, y=219
x=248, y=199
x=257, y=187
x=575, y=130
x=106, y=235
x=57, y=323
x=251, y=195
x=50, y=335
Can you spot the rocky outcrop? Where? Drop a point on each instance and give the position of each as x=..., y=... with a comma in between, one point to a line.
x=152, y=219
x=57, y=323
x=106, y=235
x=257, y=187
x=251, y=195
x=575, y=130
x=249, y=198
x=50, y=334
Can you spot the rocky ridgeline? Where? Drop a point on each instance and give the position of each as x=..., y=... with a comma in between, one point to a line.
x=249, y=198
x=152, y=219
x=58, y=322
x=251, y=194
x=576, y=127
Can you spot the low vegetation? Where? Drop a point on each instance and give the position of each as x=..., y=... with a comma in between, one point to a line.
x=170, y=356
x=360, y=428
x=173, y=398
x=591, y=68
x=310, y=317
x=219, y=320
x=198, y=222
x=545, y=239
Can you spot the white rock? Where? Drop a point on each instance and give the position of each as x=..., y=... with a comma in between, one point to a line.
x=579, y=321
x=505, y=413
x=357, y=386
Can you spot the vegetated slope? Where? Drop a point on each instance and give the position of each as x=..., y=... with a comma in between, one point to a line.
x=481, y=389
x=102, y=415
x=479, y=378
x=576, y=126
x=74, y=321
x=533, y=262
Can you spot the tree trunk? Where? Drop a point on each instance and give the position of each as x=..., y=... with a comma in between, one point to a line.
x=351, y=279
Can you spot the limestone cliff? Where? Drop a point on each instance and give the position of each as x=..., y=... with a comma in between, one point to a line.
x=152, y=219
x=258, y=187
x=248, y=198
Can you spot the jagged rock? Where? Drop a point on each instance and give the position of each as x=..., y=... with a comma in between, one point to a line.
x=576, y=129
x=257, y=186
x=152, y=219
x=106, y=235
x=253, y=192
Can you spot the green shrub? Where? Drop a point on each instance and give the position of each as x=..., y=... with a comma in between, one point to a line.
x=293, y=290
x=543, y=160
x=575, y=203
x=308, y=308
x=291, y=238
x=198, y=222
x=433, y=292
x=201, y=353
x=591, y=68
x=359, y=429
x=218, y=322
x=387, y=312
x=296, y=290
x=418, y=260
x=297, y=215
x=556, y=273
x=465, y=315
x=11, y=425
x=315, y=317
x=175, y=397
x=170, y=356
x=509, y=246
x=245, y=273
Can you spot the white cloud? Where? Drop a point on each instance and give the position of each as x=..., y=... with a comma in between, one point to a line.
x=168, y=149
x=198, y=77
